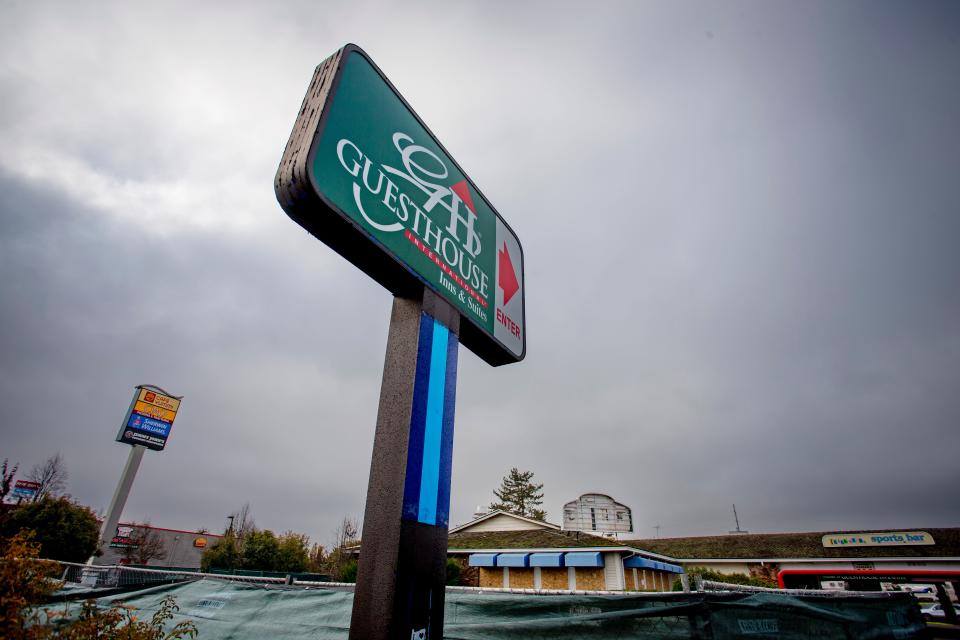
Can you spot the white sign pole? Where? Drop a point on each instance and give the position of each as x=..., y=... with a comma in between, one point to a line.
x=120, y=497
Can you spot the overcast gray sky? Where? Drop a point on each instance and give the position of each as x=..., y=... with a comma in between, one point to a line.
x=740, y=222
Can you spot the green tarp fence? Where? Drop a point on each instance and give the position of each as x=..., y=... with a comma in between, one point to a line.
x=225, y=610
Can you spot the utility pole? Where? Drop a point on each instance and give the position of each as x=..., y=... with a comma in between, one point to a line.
x=737, y=521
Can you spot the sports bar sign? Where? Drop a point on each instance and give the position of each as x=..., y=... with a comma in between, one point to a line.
x=149, y=419
x=365, y=175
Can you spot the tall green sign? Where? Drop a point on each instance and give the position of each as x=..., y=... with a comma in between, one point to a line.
x=364, y=174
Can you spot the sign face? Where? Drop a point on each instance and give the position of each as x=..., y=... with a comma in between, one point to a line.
x=364, y=174
x=25, y=489
x=879, y=539
x=124, y=538
x=154, y=411
x=159, y=400
x=150, y=419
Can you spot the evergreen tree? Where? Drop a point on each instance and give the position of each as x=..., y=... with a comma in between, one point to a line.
x=261, y=551
x=518, y=494
x=293, y=552
x=223, y=554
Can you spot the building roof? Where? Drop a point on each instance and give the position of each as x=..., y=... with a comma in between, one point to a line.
x=527, y=523
x=528, y=539
x=796, y=545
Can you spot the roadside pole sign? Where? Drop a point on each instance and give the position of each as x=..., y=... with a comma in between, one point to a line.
x=25, y=489
x=146, y=425
x=150, y=418
x=364, y=174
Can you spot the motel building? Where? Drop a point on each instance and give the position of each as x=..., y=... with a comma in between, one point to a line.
x=500, y=550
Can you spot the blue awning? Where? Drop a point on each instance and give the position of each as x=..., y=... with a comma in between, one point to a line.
x=483, y=559
x=636, y=562
x=513, y=560
x=546, y=559
x=584, y=559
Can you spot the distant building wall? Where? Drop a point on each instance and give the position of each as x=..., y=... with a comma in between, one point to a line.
x=648, y=580
x=589, y=579
x=180, y=548
x=597, y=512
x=491, y=578
x=551, y=578
x=521, y=578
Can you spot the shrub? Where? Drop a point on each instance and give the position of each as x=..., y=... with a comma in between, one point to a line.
x=223, y=554
x=63, y=529
x=729, y=578
x=348, y=573
x=26, y=582
x=453, y=572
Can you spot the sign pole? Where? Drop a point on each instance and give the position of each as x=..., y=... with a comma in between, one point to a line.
x=401, y=578
x=120, y=496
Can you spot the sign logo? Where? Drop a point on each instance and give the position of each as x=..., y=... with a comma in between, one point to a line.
x=453, y=247
x=879, y=539
x=364, y=174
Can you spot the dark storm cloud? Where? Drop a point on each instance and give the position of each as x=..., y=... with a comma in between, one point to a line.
x=739, y=224
x=91, y=307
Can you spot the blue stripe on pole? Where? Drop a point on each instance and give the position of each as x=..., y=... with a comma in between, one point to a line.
x=426, y=492
x=411, y=488
x=433, y=430
x=446, y=441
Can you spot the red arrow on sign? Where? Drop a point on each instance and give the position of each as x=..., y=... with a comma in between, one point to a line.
x=508, y=277
x=464, y=193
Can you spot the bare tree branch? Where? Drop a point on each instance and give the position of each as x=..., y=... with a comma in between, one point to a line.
x=51, y=476
x=6, y=479
x=242, y=522
x=146, y=545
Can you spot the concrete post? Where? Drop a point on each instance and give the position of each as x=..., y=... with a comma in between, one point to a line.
x=949, y=613
x=402, y=572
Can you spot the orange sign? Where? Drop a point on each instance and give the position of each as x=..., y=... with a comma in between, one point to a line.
x=200, y=543
x=159, y=400
x=153, y=411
